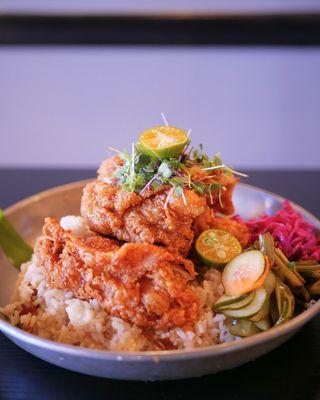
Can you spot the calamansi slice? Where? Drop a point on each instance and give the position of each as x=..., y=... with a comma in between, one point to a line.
x=163, y=141
x=217, y=247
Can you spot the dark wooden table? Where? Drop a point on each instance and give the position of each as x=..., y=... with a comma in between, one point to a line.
x=290, y=372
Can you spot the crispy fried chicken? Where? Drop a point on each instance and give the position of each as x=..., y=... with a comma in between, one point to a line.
x=113, y=211
x=207, y=220
x=139, y=282
x=154, y=216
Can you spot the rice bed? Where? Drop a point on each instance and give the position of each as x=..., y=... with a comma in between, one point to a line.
x=59, y=316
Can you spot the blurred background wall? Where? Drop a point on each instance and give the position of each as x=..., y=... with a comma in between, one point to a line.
x=64, y=106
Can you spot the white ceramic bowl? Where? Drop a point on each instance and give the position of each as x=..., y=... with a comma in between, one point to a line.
x=27, y=216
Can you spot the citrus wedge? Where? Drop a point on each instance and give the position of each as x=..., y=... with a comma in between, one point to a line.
x=217, y=247
x=163, y=141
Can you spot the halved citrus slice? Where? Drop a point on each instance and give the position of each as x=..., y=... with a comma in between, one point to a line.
x=217, y=247
x=163, y=141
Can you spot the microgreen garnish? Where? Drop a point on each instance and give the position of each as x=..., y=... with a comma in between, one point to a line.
x=165, y=121
x=164, y=170
x=140, y=172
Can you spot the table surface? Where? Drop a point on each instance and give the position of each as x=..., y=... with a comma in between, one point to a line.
x=290, y=372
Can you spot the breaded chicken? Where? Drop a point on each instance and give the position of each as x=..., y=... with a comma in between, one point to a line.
x=220, y=200
x=131, y=217
x=237, y=229
x=154, y=216
x=139, y=282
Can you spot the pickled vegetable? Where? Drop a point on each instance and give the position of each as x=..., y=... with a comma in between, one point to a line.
x=266, y=244
x=292, y=278
x=264, y=324
x=314, y=289
x=245, y=273
x=270, y=283
x=264, y=312
x=285, y=302
x=251, y=309
x=243, y=328
x=233, y=302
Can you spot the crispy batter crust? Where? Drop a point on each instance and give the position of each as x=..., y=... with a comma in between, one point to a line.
x=157, y=217
x=139, y=282
x=240, y=231
x=113, y=211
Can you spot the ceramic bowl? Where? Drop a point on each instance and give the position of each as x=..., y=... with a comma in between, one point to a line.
x=28, y=215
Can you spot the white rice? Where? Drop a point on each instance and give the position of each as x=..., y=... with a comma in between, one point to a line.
x=57, y=315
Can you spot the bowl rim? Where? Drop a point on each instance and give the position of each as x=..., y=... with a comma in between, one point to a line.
x=159, y=355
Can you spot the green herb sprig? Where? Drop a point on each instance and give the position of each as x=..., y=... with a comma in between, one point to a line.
x=140, y=172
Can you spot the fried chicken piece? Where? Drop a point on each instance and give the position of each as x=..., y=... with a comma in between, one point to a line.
x=203, y=221
x=220, y=199
x=207, y=220
x=156, y=217
x=237, y=229
x=138, y=282
x=224, y=205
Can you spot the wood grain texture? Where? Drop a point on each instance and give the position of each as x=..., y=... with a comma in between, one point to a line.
x=290, y=372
